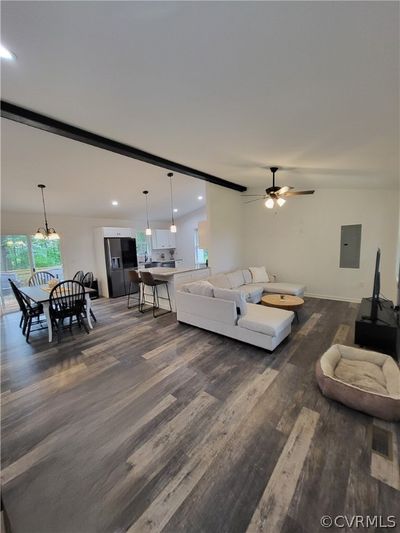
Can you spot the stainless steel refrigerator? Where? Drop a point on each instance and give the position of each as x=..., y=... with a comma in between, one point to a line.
x=120, y=258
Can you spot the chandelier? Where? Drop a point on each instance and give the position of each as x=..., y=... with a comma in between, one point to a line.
x=45, y=232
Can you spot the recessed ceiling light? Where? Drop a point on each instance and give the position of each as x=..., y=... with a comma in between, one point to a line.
x=175, y=210
x=199, y=197
x=5, y=53
x=114, y=202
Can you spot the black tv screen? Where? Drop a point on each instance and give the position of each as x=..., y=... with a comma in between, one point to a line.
x=377, y=289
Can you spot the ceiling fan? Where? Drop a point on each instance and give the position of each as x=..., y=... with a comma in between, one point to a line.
x=276, y=194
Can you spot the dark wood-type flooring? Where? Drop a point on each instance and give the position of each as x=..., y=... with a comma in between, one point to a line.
x=150, y=425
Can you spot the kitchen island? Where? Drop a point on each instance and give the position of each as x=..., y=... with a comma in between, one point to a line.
x=175, y=277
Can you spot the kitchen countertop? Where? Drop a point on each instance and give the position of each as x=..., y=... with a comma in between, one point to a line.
x=168, y=272
x=161, y=261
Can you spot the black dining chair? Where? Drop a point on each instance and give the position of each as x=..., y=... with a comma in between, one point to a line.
x=87, y=281
x=78, y=276
x=40, y=278
x=29, y=311
x=67, y=300
x=135, y=282
x=149, y=281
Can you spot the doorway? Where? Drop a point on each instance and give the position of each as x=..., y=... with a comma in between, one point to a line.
x=21, y=256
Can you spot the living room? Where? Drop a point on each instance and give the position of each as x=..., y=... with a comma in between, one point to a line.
x=261, y=140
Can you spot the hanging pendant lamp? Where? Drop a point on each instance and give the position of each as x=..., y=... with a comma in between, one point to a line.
x=45, y=232
x=148, y=229
x=172, y=227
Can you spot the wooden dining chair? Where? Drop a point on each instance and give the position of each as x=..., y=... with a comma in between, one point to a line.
x=28, y=309
x=87, y=281
x=78, y=276
x=67, y=301
x=40, y=278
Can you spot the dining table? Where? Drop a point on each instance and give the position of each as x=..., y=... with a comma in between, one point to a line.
x=40, y=294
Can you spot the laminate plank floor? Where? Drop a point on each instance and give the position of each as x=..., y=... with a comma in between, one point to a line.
x=150, y=425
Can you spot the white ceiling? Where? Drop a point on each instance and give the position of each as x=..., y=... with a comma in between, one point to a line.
x=226, y=87
x=83, y=180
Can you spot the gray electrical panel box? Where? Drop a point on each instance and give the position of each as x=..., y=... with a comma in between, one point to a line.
x=350, y=245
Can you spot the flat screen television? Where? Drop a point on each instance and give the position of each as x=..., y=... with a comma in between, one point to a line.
x=377, y=288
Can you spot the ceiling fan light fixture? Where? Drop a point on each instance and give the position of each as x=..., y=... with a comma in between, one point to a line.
x=269, y=203
x=281, y=202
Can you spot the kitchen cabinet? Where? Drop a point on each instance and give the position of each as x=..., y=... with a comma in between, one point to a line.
x=118, y=232
x=162, y=239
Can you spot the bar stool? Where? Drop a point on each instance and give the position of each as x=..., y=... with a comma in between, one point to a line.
x=149, y=281
x=134, y=280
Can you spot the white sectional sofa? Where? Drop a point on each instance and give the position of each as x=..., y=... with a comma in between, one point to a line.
x=227, y=304
x=243, y=280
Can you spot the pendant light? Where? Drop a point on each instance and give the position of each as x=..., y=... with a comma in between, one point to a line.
x=45, y=232
x=172, y=228
x=148, y=229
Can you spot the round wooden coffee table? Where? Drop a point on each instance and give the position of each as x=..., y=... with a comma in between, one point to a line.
x=283, y=301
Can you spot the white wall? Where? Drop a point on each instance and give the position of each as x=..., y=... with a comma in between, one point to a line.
x=77, y=235
x=224, y=217
x=186, y=227
x=300, y=241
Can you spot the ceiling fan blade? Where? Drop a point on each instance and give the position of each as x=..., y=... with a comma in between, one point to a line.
x=254, y=195
x=297, y=193
x=284, y=189
x=256, y=200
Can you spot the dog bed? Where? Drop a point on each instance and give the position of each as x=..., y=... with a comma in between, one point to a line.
x=364, y=380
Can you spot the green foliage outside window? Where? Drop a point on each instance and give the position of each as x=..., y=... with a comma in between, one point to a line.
x=14, y=252
x=46, y=253
x=141, y=243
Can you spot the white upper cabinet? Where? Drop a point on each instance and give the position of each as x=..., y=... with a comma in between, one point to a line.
x=162, y=238
x=118, y=232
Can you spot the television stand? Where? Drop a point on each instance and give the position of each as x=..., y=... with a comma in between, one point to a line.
x=382, y=335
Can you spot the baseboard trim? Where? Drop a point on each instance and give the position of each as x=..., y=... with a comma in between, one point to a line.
x=327, y=297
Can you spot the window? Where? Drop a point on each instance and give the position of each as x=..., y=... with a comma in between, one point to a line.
x=21, y=255
x=142, y=244
x=201, y=255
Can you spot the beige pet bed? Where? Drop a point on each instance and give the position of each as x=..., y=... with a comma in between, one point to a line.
x=363, y=380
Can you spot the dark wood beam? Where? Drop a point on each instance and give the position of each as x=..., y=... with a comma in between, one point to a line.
x=52, y=125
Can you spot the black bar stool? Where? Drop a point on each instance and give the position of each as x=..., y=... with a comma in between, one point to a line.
x=135, y=281
x=149, y=281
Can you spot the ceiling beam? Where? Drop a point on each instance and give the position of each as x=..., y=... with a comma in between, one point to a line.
x=43, y=122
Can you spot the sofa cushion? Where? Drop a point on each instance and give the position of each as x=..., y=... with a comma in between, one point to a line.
x=201, y=287
x=259, y=274
x=267, y=320
x=220, y=280
x=285, y=288
x=247, y=275
x=235, y=279
x=236, y=296
x=253, y=292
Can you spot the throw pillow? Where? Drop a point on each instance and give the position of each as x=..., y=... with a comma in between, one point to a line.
x=235, y=279
x=247, y=275
x=259, y=274
x=202, y=288
x=236, y=296
x=220, y=280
